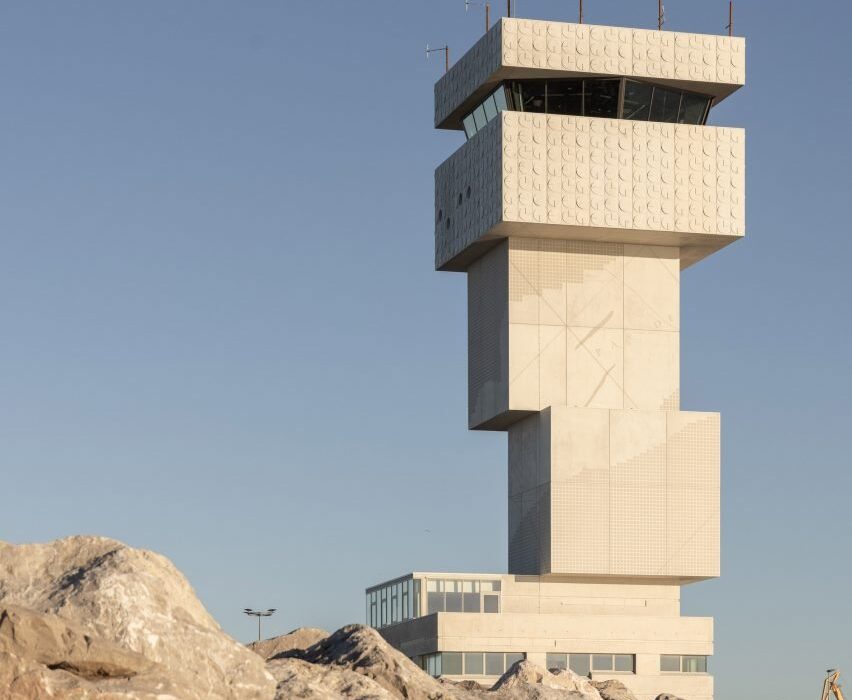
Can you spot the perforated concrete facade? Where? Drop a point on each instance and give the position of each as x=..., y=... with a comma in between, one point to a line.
x=602, y=492
x=585, y=178
x=576, y=323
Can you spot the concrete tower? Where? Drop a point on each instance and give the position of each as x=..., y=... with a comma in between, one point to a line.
x=589, y=180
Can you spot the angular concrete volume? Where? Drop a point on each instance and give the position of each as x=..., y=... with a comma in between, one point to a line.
x=588, y=181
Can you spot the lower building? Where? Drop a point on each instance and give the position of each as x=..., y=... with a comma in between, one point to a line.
x=475, y=626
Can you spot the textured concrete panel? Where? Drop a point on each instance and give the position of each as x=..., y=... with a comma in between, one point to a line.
x=632, y=493
x=553, y=323
x=714, y=65
x=582, y=178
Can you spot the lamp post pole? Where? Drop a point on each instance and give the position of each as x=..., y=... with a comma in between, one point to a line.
x=259, y=614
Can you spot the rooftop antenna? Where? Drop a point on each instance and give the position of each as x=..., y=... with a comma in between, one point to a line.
x=446, y=50
x=508, y=8
x=661, y=14
x=487, y=5
x=581, y=11
x=730, y=26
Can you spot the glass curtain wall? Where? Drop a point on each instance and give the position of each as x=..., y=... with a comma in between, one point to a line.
x=612, y=98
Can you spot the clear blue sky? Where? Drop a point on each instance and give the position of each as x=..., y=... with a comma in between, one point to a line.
x=222, y=337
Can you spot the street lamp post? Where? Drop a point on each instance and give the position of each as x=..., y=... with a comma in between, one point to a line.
x=259, y=614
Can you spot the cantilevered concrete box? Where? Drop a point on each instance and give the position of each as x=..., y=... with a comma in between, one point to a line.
x=583, y=178
x=714, y=65
x=576, y=323
x=598, y=492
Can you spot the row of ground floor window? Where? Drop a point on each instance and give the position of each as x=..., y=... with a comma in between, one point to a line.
x=490, y=663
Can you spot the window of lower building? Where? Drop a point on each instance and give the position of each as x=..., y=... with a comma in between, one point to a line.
x=461, y=595
x=674, y=663
x=393, y=602
x=584, y=664
x=557, y=662
x=469, y=663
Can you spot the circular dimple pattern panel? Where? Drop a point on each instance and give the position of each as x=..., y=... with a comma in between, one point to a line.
x=578, y=171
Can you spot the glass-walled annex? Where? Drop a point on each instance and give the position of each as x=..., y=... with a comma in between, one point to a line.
x=612, y=98
x=400, y=600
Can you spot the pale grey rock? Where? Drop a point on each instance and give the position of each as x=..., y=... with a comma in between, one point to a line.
x=133, y=600
x=613, y=690
x=363, y=650
x=526, y=681
x=297, y=640
x=300, y=679
x=668, y=696
x=61, y=644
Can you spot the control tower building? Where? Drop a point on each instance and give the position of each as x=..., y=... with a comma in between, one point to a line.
x=589, y=180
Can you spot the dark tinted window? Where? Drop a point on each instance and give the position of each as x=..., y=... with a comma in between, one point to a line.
x=637, y=100
x=601, y=98
x=693, y=108
x=665, y=105
x=565, y=97
x=530, y=96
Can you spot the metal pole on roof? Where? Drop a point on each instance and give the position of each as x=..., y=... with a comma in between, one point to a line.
x=581, y=11
x=487, y=16
x=661, y=14
x=509, y=8
x=730, y=26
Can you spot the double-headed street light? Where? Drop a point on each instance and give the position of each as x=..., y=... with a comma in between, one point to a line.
x=259, y=614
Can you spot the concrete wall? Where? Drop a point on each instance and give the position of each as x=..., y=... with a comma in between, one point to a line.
x=624, y=493
x=573, y=323
x=584, y=178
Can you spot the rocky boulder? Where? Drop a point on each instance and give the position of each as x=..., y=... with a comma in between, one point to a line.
x=297, y=640
x=526, y=681
x=90, y=617
x=613, y=690
x=364, y=651
x=667, y=696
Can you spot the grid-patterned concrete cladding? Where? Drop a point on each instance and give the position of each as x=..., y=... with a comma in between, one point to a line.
x=599, y=492
x=576, y=323
x=574, y=231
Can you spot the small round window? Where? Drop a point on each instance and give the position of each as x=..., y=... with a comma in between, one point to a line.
x=468, y=191
x=440, y=215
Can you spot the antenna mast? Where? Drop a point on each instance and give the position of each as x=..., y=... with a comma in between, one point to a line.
x=446, y=50
x=661, y=14
x=509, y=8
x=730, y=26
x=581, y=11
x=487, y=5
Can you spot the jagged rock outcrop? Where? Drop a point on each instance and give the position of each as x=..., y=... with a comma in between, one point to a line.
x=296, y=640
x=103, y=620
x=526, y=681
x=301, y=679
x=666, y=696
x=365, y=651
x=613, y=690
x=61, y=644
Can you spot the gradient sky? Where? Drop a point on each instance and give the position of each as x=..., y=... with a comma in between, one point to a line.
x=223, y=339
